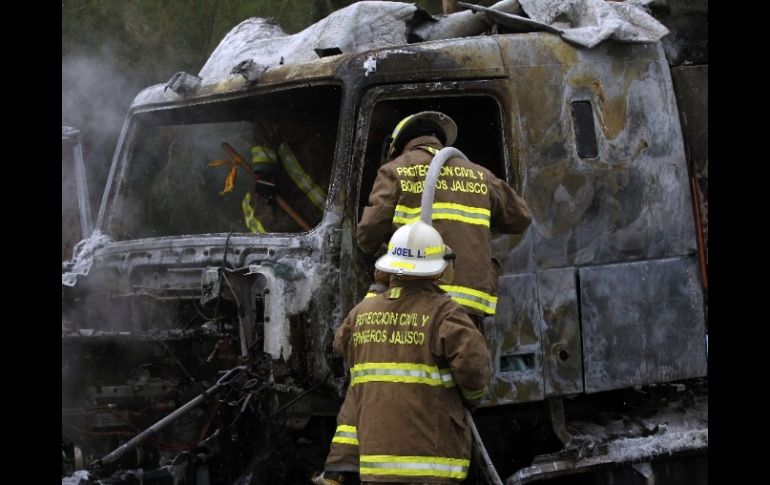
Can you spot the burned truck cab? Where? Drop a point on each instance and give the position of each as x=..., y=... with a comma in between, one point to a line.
x=591, y=138
x=175, y=286
x=601, y=301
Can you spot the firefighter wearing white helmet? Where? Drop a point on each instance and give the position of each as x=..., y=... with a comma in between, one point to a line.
x=415, y=359
x=414, y=250
x=469, y=201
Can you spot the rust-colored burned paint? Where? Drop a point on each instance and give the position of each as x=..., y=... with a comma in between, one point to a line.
x=612, y=109
x=234, y=83
x=447, y=59
x=593, y=209
x=536, y=100
x=574, y=181
x=566, y=54
x=319, y=69
x=596, y=86
x=316, y=69
x=625, y=54
x=536, y=49
x=613, y=112
x=537, y=64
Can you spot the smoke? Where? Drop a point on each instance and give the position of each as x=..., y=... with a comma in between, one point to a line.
x=96, y=94
x=109, y=54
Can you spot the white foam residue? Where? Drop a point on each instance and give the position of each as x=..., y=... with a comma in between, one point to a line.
x=370, y=65
x=75, y=478
x=84, y=257
x=277, y=329
x=286, y=298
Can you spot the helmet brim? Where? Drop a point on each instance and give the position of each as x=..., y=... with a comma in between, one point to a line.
x=390, y=264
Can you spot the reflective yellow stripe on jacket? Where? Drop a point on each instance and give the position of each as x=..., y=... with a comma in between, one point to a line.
x=346, y=434
x=252, y=223
x=414, y=466
x=472, y=298
x=472, y=395
x=444, y=210
x=401, y=373
x=260, y=155
x=315, y=193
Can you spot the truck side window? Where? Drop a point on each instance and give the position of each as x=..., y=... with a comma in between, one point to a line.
x=479, y=137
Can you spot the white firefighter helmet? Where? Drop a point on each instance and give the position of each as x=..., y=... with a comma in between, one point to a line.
x=415, y=249
x=418, y=124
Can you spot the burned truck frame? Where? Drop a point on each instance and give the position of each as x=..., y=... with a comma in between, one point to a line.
x=598, y=343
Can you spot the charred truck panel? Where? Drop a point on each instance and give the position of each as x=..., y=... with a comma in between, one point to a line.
x=602, y=293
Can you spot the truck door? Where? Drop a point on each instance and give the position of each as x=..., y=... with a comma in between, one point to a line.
x=612, y=238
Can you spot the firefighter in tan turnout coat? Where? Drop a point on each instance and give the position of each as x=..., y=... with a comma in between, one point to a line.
x=469, y=201
x=414, y=357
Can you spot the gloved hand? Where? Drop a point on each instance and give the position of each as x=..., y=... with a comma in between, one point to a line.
x=334, y=478
x=471, y=399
